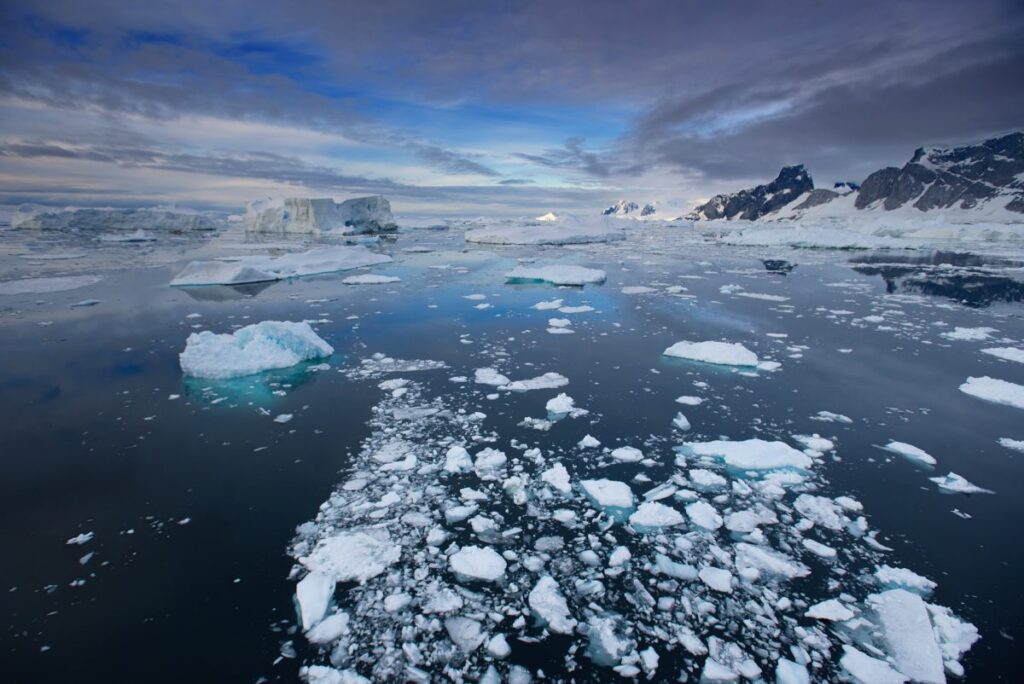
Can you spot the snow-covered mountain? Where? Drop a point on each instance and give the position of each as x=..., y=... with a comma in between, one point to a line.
x=984, y=180
x=631, y=209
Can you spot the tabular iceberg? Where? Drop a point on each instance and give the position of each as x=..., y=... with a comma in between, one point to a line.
x=252, y=349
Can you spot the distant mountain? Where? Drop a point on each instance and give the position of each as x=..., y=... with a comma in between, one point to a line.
x=621, y=208
x=987, y=176
x=632, y=209
x=753, y=203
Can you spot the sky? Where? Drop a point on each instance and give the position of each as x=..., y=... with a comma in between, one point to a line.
x=486, y=108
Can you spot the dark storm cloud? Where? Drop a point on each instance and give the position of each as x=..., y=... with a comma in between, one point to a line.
x=718, y=91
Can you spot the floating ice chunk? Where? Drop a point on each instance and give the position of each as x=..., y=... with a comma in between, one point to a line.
x=329, y=629
x=548, y=305
x=352, y=556
x=867, y=670
x=908, y=634
x=638, y=289
x=498, y=647
x=548, y=604
x=558, y=477
x=619, y=557
x=819, y=549
x=901, y=578
x=829, y=417
x=706, y=479
x=789, y=672
x=252, y=349
x=689, y=401
x=588, y=442
x=575, y=309
x=562, y=405
x=313, y=593
x=820, y=510
x=556, y=274
x=46, y=285
x=478, y=563
x=910, y=452
x=969, y=334
x=1015, y=444
x=955, y=637
x=703, y=514
x=627, y=454
x=489, y=376
x=457, y=460
x=605, y=646
x=769, y=561
x=718, y=579
x=815, y=442
x=652, y=516
x=752, y=454
x=719, y=353
x=465, y=633
x=255, y=269
x=546, y=381
x=321, y=674
x=1006, y=353
x=956, y=484
x=79, y=539
x=995, y=390
x=490, y=464
x=681, y=422
x=283, y=417
x=831, y=610
x=609, y=494
x=370, y=279
x=396, y=602
x=559, y=322
x=715, y=671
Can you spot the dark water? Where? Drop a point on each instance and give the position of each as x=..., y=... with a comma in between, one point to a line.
x=91, y=441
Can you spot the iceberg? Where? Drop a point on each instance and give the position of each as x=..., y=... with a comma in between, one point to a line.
x=253, y=349
x=908, y=634
x=718, y=353
x=911, y=452
x=258, y=269
x=556, y=274
x=314, y=216
x=550, y=231
x=126, y=220
x=957, y=484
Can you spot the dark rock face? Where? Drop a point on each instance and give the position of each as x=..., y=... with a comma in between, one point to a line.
x=955, y=177
x=755, y=202
x=648, y=210
x=816, y=198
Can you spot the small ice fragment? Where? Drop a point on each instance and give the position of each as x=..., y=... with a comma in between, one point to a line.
x=831, y=610
x=479, y=563
x=82, y=538
x=956, y=484
x=719, y=353
x=910, y=452
x=703, y=514
x=283, y=418
x=716, y=578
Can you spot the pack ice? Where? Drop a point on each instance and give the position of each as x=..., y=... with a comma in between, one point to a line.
x=252, y=349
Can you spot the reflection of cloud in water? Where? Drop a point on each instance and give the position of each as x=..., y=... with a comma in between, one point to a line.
x=970, y=279
x=261, y=389
x=223, y=293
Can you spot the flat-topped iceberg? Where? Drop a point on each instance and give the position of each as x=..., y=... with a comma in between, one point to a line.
x=751, y=454
x=314, y=216
x=550, y=231
x=556, y=274
x=259, y=269
x=995, y=390
x=252, y=349
x=719, y=353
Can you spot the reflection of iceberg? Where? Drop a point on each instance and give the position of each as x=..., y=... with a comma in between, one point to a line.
x=224, y=293
x=967, y=278
x=257, y=269
x=261, y=389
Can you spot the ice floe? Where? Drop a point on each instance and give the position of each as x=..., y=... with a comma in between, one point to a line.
x=556, y=274
x=910, y=452
x=719, y=353
x=47, y=285
x=253, y=349
x=557, y=231
x=995, y=390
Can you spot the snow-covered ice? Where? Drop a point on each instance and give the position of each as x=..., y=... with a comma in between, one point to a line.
x=910, y=452
x=995, y=390
x=719, y=353
x=556, y=274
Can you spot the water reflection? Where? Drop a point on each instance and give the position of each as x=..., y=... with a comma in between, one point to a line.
x=970, y=279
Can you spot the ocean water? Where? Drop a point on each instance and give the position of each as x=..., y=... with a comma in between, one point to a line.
x=194, y=501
